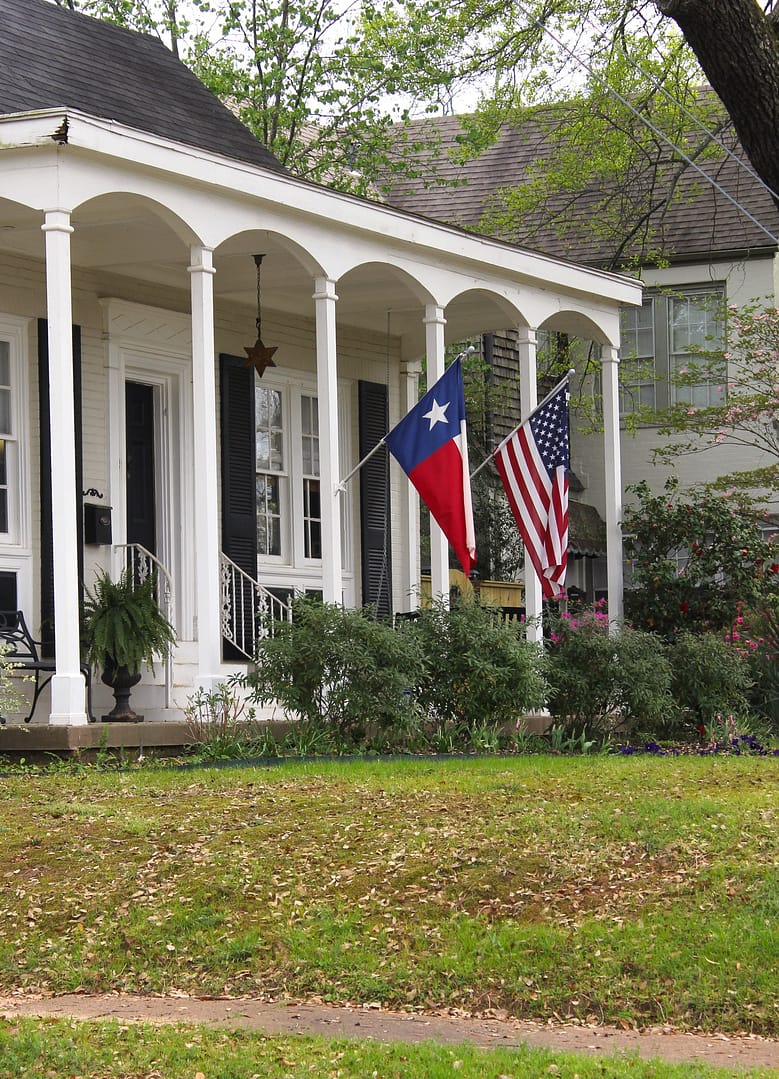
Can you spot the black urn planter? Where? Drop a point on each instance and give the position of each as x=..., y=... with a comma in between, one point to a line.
x=121, y=679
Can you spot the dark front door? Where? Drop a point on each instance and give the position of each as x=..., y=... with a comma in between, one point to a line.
x=139, y=419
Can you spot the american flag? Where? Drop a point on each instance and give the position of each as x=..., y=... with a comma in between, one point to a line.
x=533, y=464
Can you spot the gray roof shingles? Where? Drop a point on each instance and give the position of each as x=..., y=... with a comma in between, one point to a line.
x=699, y=224
x=51, y=57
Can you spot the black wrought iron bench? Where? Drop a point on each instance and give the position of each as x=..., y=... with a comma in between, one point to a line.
x=22, y=652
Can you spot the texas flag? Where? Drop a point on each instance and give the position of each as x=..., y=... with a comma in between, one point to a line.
x=431, y=447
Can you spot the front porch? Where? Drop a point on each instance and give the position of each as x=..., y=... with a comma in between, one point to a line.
x=135, y=300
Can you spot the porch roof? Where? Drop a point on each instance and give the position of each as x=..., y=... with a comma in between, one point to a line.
x=139, y=201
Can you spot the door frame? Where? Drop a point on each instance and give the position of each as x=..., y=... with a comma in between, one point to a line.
x=161, y=493
x=144, y=355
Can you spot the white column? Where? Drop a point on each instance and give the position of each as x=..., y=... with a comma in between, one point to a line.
x=410, y=373
x=613, y=464
x=439, y=545
x=329, y=466
x=67, y=684
x=206, y=493
x=527, y=341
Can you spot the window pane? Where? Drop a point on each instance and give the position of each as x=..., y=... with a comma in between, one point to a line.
x=637, y=351
x=270, y=434
x=263, y=449
x=3, y=487
x=695, y=331
x=312, y=519
x=268, y=515
x=277, y=451
x=5, y=411
x=309, y=424
x=5, y=363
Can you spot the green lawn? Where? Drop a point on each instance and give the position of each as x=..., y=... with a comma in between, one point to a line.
x=636, y=889
x=57, y=1049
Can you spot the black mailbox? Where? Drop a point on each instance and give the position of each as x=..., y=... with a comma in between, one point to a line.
x=97, y=523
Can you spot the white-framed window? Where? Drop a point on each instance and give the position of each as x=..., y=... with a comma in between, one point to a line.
x=670, y=332
x=309, y=445
x=15, y=506
x=289, y=517
x=695, y=326
x=272, y=476
x=637, y=350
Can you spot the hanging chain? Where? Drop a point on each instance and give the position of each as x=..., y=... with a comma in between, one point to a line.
x=258, y=263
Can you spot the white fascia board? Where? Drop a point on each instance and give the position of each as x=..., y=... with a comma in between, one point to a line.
x=22, y=129
x=433, y=240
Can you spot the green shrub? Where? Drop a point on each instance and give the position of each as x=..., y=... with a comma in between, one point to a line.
x=220, y=727
x=600, y=682
x=727, y=560
x=10, y=698
x=480, y=670
x=340, y=670
x=710, y=678
x=755, y=634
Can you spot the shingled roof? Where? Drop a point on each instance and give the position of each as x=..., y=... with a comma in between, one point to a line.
x=51, y=57
x=698, y=223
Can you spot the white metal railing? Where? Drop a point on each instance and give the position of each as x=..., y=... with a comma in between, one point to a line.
x=249, y=611
x=142, y=564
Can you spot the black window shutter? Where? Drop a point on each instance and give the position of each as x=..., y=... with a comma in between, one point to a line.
x=239, y=483
x=47, y=536
x=374, y=500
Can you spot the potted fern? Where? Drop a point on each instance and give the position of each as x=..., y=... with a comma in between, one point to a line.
x=123, y=628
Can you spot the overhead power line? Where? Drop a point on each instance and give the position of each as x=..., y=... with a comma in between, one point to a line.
x=696, y=120
x=648, y=123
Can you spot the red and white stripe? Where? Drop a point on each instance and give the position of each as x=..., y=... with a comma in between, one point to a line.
x=539, y=504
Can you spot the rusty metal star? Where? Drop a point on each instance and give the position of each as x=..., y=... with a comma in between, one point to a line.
x=260, y=357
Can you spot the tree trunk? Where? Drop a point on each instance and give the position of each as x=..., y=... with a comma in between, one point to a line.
x=738, y=49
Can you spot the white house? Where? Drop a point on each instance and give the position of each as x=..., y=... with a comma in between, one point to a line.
x=132, y=206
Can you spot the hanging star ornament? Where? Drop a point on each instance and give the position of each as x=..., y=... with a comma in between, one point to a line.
x=260, y=356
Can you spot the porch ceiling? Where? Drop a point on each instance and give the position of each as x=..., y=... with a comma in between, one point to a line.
x=117, y=235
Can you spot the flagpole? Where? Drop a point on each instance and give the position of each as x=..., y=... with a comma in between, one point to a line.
x=339, y=487
x=548, y=397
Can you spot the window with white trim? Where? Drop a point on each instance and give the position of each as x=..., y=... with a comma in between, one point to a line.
x=272, y=478
x=312, y=513
x=6, y=434
x=694, y=327
x=289, y=517
x=668, y=333
x=14, y=502
x=637, y=350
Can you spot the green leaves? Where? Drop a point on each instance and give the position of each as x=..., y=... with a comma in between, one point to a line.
x=694, y=559
x=448, y=672
x=746, y=415
x=123, y=624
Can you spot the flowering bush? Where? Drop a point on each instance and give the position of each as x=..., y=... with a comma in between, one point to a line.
x=710, y=677
x=695, y=560
x=603, y=682
x=755, y=635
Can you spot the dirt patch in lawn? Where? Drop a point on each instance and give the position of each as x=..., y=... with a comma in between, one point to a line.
x=725, y=1051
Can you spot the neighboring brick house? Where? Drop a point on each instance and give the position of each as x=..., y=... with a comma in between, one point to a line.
x=693, y=249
